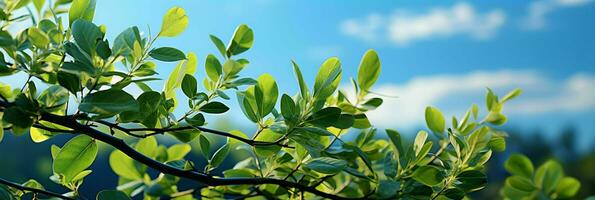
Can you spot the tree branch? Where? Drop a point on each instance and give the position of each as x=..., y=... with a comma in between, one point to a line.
x=34, y=190
x=68, y=121
x=157, y=131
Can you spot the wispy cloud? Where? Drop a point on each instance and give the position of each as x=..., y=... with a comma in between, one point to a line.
x=454, y=93
x=538, y=11
x=404, y=27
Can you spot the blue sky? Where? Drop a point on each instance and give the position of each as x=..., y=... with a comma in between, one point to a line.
x=443, y=54
x=433, y=53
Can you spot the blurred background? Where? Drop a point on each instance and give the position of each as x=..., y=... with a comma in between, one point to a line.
x=442, y=53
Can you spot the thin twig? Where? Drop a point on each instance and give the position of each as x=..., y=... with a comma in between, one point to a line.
x=34, y=190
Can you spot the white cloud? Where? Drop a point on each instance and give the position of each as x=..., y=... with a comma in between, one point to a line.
x=404, y=27
x=454, y=93
x=538, y=10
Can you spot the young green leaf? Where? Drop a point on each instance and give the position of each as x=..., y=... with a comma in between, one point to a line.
x=213, y=67
x=178, y=151
x=266, y=135
x=369, y=69
x=219, y=44
x=520, y=165
x=38, y=37
x=298, y=74
x=174, y=22
x=428, y=175
x=81, y=9
x=242, y=40
x=288, y=107
x=75, y=156
x=328, y=78
x=568, y=187
x=167, y=54
x=266, y=93
x=548, y=175
x=435, y=119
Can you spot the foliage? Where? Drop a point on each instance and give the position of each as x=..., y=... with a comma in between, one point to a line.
x=545, y=182
x=318, y=143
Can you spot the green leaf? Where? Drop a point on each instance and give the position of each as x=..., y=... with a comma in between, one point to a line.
x=361, y=121
x=548, y=175
x=220, y=155
x=288, y=108
x=471, y=180
x=81, y=9
x=123, y=165
x=420, y=140
x=512, y=94
x=219, y=44
x=174, y=81
x=266, y=135
x=124, y=42
x=214, y=108
x=241, y=41
x=369, y=69
x=167, y=54
x=520, y=183
x=328, y=78
x=248, y=104
x=112, y=195
x=325, y=117
x=108, y=102
x=38, y=37
x=496, y=118
x=520, y=165
x=435, y=119
x=69, y=81
x=75, y=156
x=454, y=193
x=298, y=74
x=53, y=96
x=326, y=165
x=86, y=35
x=196, y=120
x=178, y=151
x=103, y=49
x=32, y=183
x=147, y=146
x=205, y=146
x=395, y=138
x=17, y=117
x=185, y=135
x=189, y=85
x=373, y=103
x=344, y=121
x=266, y=93
x=213, y=67
x=497, y=143
x=428, y=175
x=568, y=187
x=174, y=22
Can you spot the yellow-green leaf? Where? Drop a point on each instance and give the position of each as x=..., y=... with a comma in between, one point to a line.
x=174, y=22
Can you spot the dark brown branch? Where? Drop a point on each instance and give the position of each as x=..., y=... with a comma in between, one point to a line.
x=157, y=131
x=34, y=190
